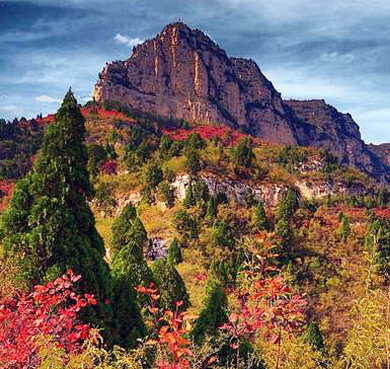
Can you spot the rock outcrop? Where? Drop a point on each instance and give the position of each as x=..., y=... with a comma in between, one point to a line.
x=236, y=191
x=183, y=74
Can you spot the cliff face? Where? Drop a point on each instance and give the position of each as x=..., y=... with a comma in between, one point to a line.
x=183, y=74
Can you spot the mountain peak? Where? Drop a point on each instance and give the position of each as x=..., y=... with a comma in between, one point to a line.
x=183, y=74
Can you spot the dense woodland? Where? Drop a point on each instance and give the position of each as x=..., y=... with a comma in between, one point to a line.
x=242, y=284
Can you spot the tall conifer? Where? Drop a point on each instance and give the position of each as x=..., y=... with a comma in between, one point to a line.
x=49, y=224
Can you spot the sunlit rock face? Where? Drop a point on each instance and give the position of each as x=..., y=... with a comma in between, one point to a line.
x=184, y=74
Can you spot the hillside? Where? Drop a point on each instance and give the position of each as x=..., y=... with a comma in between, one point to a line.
x=183, y=74
x=234, y=204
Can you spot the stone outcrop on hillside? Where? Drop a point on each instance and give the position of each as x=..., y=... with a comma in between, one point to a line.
x=237, y=190
x=183, y=74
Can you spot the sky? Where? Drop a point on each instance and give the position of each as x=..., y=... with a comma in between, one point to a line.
x=336, y=50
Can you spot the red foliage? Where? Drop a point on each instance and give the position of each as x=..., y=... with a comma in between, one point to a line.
x=170, y=329
x=208, y=132
x=6, y=188
x=109, y=167
x=266, y=305
x=46, y=318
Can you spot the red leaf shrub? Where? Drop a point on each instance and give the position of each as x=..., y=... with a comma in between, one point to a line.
x=43, y=319
x=170, y=330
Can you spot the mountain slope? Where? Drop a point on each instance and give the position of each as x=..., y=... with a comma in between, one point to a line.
x=183, y=74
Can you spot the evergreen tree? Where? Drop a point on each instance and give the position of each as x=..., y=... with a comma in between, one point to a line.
x=189, y=200
x=128, y=240
x=167, y=193
x=377, y=241
x=120, y=228
x=49, y=224
x=200, y=191
x=165, y=145
x=287, y=206
x=96, y=157
x=243, y=154
x=212, y=208
x=261, y=217
x=154, y=175
x=214, y=312
x=344, y=229
x=223, y=235
x=170, y=284
x=313, y=336
x=193, y=162
x=194, y=141
x=174, y=254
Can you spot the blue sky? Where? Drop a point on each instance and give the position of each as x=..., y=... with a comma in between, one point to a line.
x=335, y=50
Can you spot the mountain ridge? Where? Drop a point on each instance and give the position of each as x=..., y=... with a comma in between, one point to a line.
x=184, y=74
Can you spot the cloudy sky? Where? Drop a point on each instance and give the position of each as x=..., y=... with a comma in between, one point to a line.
x=337, y=50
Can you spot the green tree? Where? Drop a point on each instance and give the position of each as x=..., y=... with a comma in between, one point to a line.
x=170, y=284
x=243, y=154
x=313, y=336
x=377, y=241
x=154, y=175
x=96, y=157
x=174, y=253
x=212, y=208
x=223, y=235
x=186, y=224
x=121, y=227
x=214, y=312
x=194, y=142
x=287, y=206
x=49, y=225
x=167, y=193
x=344, y=230
x=165, y=146
x=189, y=199
x=261, y=217
x=193, y=162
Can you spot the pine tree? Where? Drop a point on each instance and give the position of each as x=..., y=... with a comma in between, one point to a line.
x=243, y=154
x=287, y=206
x=49, y=224
x=128, y=261
x=193, y=162
x=344, y=229
x=212, y=208
x=174, y=254
x=170, y=284
x=261, y=217
x=154, y=175
x=121, y=227
x=189, y=200
x=214, y=312
x=165, y=145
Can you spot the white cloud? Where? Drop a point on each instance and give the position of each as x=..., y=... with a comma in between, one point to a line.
x=128, y=41
x=47, y=99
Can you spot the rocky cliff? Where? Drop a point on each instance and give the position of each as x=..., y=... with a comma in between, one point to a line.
x=183, y=74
